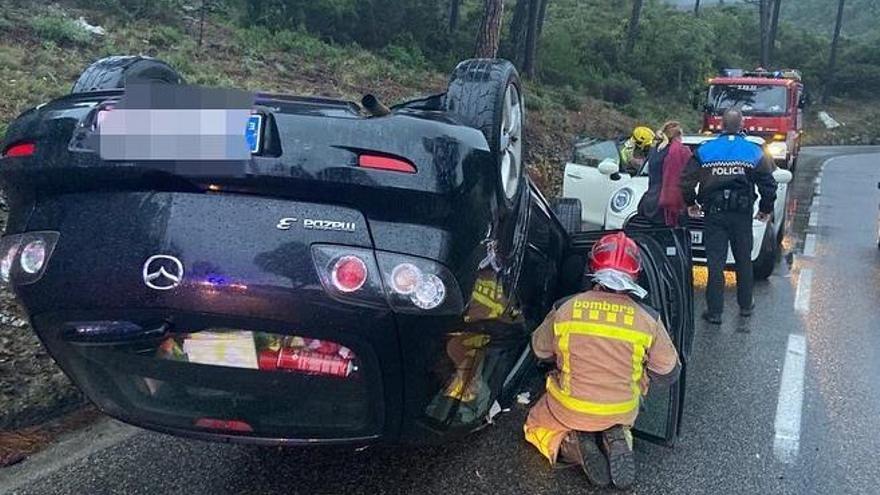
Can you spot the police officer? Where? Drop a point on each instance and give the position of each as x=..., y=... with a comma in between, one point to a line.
x=727, y=169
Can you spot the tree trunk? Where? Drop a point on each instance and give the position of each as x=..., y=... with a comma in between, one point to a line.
x=542, y=16
x=531, y=48
x=490, y=29
x=697, y=8
x=764, y=12
x=774, y=28
x=633, y=31
x=832, y=61
x=519, y=32
x=454, y=14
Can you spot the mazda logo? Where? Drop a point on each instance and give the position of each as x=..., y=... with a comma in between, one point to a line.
x=163, y=272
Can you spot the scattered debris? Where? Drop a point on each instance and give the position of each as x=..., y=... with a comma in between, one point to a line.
x=524, y=398
x=494, y=411
x=828, y=121
x=96, y=30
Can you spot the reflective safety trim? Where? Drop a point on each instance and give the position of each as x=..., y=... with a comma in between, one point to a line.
x=594, y=408
x=607, y=331
x=639, y=341
x=566, y=363
x=495, y=307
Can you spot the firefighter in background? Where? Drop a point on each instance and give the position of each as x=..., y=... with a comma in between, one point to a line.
x=607, y=347
x=634, y=150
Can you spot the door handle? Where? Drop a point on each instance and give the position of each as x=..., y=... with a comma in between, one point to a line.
x=574, y=175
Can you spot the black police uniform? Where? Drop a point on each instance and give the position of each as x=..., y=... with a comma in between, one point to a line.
x=727, y=170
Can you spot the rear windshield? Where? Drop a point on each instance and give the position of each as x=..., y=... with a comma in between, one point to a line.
x=751, y=99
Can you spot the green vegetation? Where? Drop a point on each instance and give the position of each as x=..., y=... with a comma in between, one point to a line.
x=58, y=29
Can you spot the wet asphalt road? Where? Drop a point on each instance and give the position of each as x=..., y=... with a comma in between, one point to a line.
x=738, y=435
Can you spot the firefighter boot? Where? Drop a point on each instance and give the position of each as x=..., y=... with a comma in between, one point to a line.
x=617, y=442
x=581, y=448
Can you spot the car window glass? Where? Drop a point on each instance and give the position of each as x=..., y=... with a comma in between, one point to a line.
x=591, y=152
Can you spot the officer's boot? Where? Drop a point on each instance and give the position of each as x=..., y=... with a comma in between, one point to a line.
x=617, y=442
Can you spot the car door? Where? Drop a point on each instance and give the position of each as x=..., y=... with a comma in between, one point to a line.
x=582, y=179
x=667, y=275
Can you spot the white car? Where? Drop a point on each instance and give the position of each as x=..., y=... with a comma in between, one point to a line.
x=609, y=199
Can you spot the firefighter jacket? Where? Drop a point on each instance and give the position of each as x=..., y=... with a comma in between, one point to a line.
x=603, y=344
x=726, y=167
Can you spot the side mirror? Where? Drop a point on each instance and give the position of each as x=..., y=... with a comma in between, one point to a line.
x=608, y=166
x=782, y=176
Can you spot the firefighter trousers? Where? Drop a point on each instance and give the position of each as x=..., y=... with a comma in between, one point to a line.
x=735, y=229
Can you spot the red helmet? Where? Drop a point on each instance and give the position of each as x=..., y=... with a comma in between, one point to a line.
x=616, y=252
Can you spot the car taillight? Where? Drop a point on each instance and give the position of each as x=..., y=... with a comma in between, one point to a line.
x=406, y=283
x=378, y=162
x=349, y=273
x=25, y=148
x=24, y=257
x=418, y=285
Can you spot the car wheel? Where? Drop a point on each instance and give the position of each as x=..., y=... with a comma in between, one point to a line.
x=486, y=94
x=568, y=211
x=116, y=72
x=763, y=266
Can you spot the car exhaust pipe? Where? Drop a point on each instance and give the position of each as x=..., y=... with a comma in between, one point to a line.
x=374, y=106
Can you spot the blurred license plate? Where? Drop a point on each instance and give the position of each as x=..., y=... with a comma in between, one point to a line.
x=696, y=237
x=253, y=132
x=232, y=349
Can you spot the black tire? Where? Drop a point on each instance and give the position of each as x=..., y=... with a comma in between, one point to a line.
x=568, y=211
x=476, y=96
x=115, y=72
x=763, y=266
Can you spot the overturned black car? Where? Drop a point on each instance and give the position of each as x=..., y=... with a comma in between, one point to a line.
x=284, y=270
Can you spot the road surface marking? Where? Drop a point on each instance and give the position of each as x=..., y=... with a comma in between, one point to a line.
x=802, y=295
x=810, y=245
x=786, y=442
x=68, y=450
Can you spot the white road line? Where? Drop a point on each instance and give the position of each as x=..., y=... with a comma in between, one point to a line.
x=68, y=450
x=804, y=287
x=810, y=245
x=786, y=442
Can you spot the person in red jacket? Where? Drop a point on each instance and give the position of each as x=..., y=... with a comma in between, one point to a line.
x=607, y=347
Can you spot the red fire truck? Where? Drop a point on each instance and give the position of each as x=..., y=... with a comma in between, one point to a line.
x=772, y=103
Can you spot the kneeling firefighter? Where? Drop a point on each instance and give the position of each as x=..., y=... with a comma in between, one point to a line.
x=603, y=341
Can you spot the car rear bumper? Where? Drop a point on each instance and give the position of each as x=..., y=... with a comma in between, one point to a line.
x=129, y=378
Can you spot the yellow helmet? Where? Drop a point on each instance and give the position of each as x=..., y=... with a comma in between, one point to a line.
x=643, y=137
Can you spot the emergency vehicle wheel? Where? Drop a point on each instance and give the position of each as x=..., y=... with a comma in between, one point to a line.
x=763, y=266
x=115, y=72
x=486, y=94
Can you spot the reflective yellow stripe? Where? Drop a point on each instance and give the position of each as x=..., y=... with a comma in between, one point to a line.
x=640, y=342
x=495, y=307
x=607, y=331
x=594, y=408
x=566, y=363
